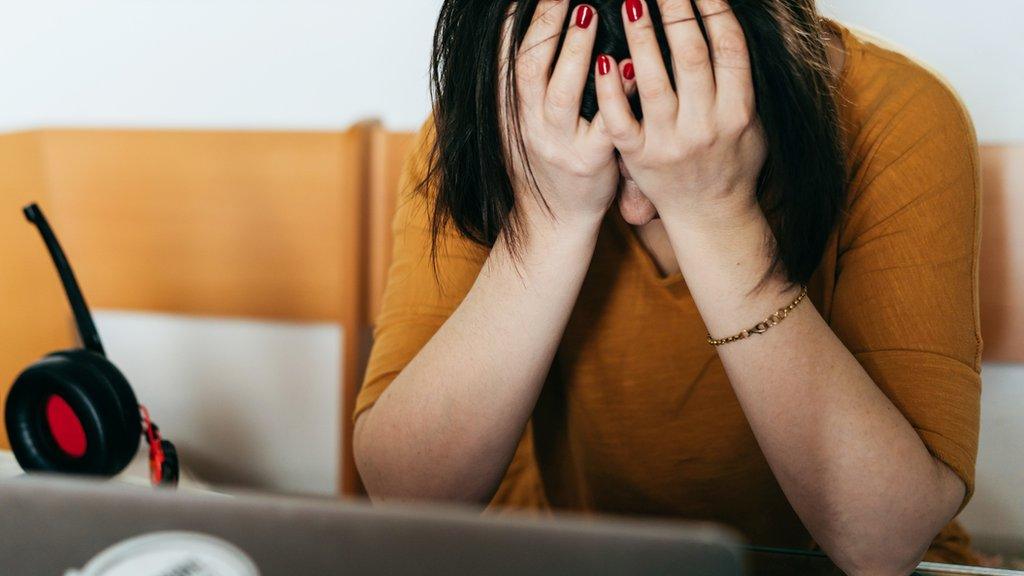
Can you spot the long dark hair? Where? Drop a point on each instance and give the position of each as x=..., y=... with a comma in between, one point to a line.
x=803, y=184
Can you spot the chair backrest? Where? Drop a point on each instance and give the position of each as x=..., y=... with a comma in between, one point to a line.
x=28, y=284
x=287, y=226
x=1002, y=253
x=266, y=225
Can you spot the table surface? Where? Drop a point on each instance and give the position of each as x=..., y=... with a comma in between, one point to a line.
x=779, y=561
x=136, y=474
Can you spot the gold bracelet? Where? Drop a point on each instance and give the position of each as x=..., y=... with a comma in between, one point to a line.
x=762, y=327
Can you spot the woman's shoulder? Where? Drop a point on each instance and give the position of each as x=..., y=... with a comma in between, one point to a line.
x=885, y=92
x=900, y=115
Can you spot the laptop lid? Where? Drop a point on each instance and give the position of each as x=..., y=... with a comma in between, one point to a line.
x=50, y=526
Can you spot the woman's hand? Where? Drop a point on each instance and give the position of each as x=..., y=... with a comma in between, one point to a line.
x=699, y=150
x=572, y=160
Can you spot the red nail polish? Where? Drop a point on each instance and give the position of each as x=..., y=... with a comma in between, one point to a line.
x=627, y=71
x=604, y=65
x=584, y=16
x=634, y=10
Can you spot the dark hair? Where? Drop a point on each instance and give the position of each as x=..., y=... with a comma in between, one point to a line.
x=803, y=184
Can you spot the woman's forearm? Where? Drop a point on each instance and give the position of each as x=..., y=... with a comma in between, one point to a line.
x=850, y=463
x=449, y=424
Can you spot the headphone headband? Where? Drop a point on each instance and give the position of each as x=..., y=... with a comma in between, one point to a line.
x=83, y=319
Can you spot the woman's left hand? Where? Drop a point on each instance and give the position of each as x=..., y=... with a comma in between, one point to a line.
x=698, y=152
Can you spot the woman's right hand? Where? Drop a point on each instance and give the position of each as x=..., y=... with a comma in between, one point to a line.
x=572, y=161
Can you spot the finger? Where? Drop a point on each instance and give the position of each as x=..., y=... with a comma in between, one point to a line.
x=616, y=117
x=565, y=90
x=691, y=61
x=537, y=51
x=628, y=73
x=656, y=95
x=731, y=57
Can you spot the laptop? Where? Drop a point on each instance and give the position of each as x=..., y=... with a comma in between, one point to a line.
x=51, y=526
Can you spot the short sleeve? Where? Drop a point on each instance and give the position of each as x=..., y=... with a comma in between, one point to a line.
x=906, y=292
x=421, y=292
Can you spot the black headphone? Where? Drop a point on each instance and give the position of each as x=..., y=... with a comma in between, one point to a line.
x=73, y=411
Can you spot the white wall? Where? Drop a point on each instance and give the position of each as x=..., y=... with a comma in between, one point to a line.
x=203, y=63
x=245, y=403
x=976, y=45
x=322, y=64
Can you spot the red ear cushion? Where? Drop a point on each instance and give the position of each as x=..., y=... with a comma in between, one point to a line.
x=65, y=427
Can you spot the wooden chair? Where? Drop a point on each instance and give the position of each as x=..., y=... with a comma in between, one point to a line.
x=266, y=225
x=286, y=226
x=1002, y=253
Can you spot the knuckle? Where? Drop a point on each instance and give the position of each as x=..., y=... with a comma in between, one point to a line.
x=669, y=155
x=560, y=97
x=579, y=169
x=742, y=120
x=616, y=132
x=529, y=68
x=676, y=10
x=739, y=118
x=693, y=55
x=546, y=15
x=730, y=48
x=653, y=91
x=703, y=140
x=544, y=150
x=573, y=48
x=733, y=127
x=709, y=8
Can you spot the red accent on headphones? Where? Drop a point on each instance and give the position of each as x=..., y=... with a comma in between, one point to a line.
x=156, y=451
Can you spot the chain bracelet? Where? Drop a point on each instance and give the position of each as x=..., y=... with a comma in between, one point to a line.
x=761, y=327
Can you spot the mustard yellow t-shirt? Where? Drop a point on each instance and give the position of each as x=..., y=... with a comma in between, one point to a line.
x=638, y=417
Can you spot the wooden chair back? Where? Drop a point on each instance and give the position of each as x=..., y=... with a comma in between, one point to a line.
x=285, y=226
x=1001, y=282
x=266, y=225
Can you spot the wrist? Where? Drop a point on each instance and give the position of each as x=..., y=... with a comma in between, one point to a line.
x=547, y=228
x=733, y=213
x=734, y=246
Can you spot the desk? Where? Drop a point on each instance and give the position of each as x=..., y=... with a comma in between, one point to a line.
x=782, y=562
x=136, y=474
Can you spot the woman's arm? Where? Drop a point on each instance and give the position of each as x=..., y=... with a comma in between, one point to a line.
x=448, y=425
x=850, y=463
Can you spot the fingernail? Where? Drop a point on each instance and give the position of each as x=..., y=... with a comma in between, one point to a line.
x=604, y=65
x=634, y=10
x=627, y=71
x=584, y=16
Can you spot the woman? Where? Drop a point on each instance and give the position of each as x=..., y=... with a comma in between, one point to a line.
x=612, y=198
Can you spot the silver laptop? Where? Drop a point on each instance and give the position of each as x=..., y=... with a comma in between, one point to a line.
x=61, y=527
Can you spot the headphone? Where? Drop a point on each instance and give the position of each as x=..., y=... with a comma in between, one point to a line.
x=73, y=412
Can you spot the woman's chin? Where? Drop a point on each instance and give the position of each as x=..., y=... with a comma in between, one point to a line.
x=637, y=211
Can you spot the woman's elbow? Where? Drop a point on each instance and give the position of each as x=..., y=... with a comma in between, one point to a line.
x=363, y=454
x=392, y=474
x=880, y=560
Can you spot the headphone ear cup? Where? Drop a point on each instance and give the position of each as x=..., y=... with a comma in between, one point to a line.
x=125, y=415
x=101, y=402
